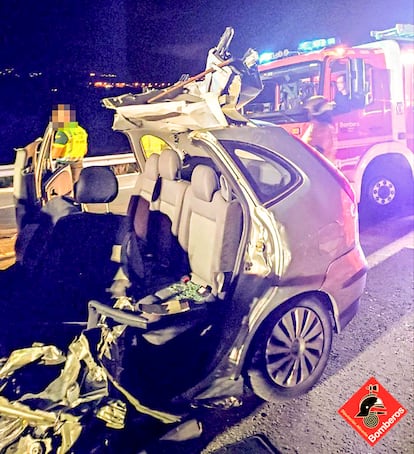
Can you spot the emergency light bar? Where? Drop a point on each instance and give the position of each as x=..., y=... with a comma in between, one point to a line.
x=304, y=46
x=316, y=44
x=400, y=31
x=266, y=57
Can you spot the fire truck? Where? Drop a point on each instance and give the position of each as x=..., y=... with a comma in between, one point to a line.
x=374, y=111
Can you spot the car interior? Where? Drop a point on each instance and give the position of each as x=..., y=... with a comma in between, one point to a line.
x=188, y=230
x=179, y=260
x=174, y=251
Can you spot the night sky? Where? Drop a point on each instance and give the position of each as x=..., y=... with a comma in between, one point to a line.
x=146, y=41
x=160, y=40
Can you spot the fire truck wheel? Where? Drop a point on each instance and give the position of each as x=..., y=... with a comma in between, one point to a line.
x=291, y=350
x=382, y=191
x=382, y=194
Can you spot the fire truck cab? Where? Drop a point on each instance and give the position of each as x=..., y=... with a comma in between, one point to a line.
x=372, y=85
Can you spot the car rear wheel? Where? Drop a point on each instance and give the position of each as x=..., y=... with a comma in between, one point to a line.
x=291, y=350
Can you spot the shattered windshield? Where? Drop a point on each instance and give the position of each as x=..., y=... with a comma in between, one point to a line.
x=285, y=92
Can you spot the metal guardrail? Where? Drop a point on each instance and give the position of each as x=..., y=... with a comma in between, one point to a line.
x=6, y=171
x=108, y=160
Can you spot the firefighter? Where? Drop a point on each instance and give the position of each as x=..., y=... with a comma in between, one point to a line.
x=321, y=132
x=70, y=143
x=342, y=101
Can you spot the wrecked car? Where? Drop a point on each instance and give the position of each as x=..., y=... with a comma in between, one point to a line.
x=241, y=260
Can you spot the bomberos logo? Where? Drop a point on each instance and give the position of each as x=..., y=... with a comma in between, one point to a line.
x=372, y=411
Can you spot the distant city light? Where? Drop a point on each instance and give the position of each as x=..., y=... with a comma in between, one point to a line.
x=91, y=78
x=142, y=85
x=9, y=72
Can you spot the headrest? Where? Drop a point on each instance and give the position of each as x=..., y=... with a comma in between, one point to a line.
x=204, y=183
x=151, y=170
x=96, y=184
x=169, y=165
x=225, y=190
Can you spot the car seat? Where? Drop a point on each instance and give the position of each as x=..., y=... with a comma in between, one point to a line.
x=81, y=258
x=67, y=255
x=210, y=232
x=151, y=253
x=75, y=263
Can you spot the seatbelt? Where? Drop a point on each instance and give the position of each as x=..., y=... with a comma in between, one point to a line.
x=131, y=250
x=157, y=189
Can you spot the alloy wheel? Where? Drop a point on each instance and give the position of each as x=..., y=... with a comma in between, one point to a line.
x=294, y=347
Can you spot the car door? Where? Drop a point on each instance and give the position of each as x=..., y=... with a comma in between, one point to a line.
x=36, y=180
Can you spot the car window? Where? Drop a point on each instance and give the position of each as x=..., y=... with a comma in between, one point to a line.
x=152, y=144
x=269, y=175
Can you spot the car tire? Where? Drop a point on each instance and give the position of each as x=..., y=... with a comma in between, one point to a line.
x=291, y=350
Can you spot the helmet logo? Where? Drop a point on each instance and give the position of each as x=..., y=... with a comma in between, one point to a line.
x=370, y=407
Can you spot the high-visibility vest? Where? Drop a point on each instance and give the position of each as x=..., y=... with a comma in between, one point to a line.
x=70, y=143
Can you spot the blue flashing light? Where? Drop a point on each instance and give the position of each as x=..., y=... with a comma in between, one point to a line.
x=316, y=44
x=265, y=57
